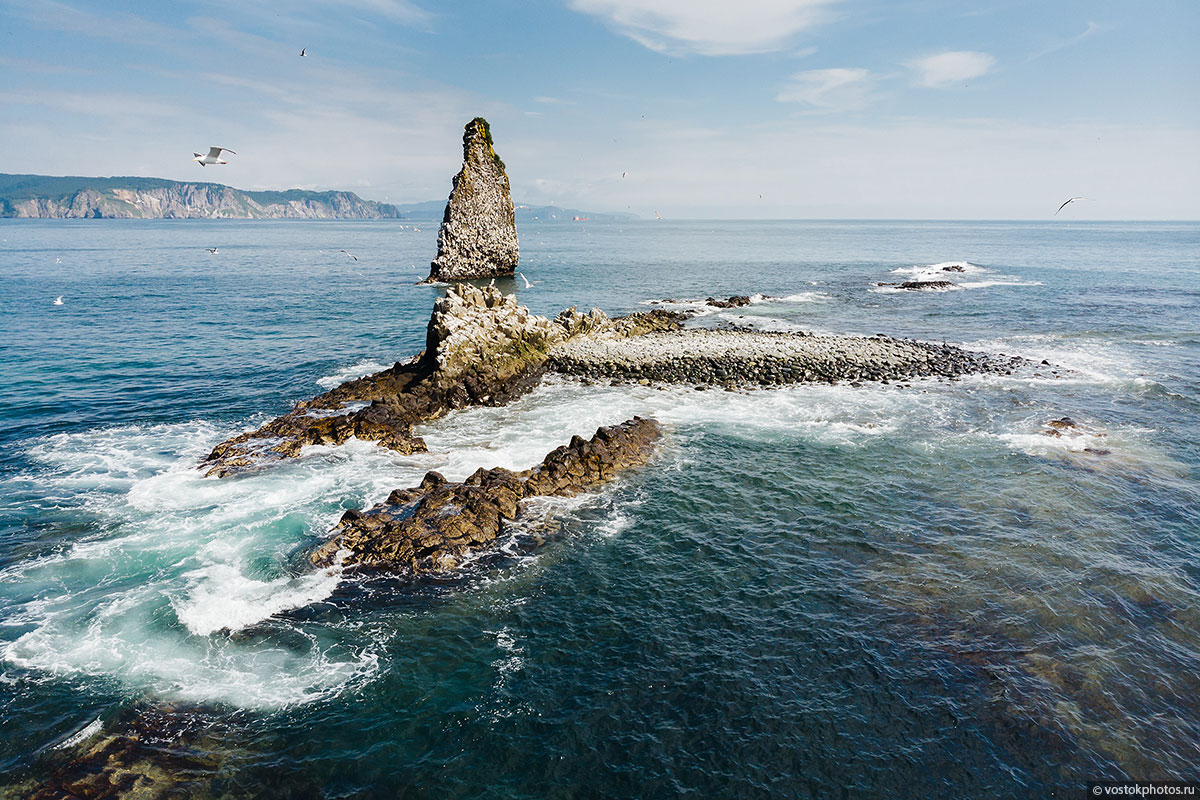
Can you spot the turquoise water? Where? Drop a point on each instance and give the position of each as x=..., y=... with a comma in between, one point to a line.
x=814, y=591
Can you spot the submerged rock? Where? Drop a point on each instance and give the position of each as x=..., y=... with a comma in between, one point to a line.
x=433, y=526
x=478, y=237
x=157, y=751
x=481, y=348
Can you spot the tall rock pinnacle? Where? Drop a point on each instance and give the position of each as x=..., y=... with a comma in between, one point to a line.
x=478, y=237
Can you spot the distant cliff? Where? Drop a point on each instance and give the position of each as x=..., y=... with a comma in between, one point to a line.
x=46, y=197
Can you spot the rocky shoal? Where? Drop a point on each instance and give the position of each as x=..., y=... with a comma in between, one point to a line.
x=434, y=526
x=742, y=357
x=481, y=349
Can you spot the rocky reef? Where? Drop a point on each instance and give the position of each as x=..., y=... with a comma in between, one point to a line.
x=481, y=349
x=478, y=237
x=924, y=286
x=735, y=301
x=433, y=526
x=149, y=751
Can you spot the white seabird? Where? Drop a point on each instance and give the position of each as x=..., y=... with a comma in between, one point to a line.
x=347, y=252
x=1064, y=205
x=213, y=157
x=528, y=283
x=212, y=251
x=58, y=300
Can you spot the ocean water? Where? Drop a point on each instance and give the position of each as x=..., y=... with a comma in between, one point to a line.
x=899, y=590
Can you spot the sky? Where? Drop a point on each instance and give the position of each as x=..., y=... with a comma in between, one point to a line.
x=769, y=109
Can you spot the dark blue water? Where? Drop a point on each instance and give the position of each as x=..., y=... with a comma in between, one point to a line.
x=893, y=590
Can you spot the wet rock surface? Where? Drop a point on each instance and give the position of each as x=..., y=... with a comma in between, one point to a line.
x=482, y=348
x=160, y=751
x=927, y=286
x=735, y=301
x=433, y=526
x=478, y=237
x=742, y=357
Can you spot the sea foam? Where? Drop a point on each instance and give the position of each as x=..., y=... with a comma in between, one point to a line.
x=351, y=372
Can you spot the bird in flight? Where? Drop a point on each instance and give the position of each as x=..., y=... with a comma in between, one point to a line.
x=347, y=252
x=1064, y=205
x=622, y=174
x=58, y=300
x=212, y=251
x=213, y=157
x=528, y=283
x=303, y=51
x=656, y=216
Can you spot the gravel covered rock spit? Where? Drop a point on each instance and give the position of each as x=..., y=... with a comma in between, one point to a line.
x=742, y=357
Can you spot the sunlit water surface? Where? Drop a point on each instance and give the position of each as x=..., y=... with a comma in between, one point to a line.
x=820, y=590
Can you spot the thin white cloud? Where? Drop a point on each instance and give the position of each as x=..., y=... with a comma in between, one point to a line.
x=399, y=10
x=880, y=168
x=402, y=11
x=838, y=89
x=1091, y=29
x=708, y=27
x=122, y=27
x=113, y=105
x=29, y=66
x=950, y=67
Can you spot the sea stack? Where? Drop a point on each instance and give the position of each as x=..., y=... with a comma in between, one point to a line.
x=478, y=237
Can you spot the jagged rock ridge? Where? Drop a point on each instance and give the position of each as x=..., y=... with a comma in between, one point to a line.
x=481, y=349
x=433, y=526
x=478, y=237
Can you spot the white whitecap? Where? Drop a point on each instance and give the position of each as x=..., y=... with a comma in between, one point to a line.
x=220, y=597
x=351, y=372
x=999, y=281
x=940, y=271
x=802, y=297
x=82, y=735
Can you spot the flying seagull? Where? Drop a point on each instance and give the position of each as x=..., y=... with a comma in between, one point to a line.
x=528, y=283
x=1064, y=205
x=347, y=252
x=58, y=300
x=212, y=251
x=656, y=216
x=213, y=157
x=303, y=51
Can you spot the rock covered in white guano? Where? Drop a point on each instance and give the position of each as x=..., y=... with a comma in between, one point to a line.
x=478, y=237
